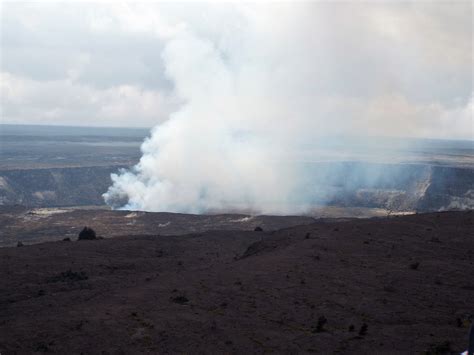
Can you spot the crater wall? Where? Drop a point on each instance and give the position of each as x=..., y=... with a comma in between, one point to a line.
x=397, y=187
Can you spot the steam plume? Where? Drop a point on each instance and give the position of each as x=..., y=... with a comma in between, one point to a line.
x=256, y=90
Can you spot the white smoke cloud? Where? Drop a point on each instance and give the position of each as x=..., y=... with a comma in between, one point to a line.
x=258, y=82
x=212, y=154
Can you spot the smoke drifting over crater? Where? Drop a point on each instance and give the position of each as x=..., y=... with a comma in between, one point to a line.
x=263, y=87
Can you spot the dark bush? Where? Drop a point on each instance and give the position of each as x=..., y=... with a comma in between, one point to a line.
x=180, y=299
x=440, y=348
x=87, y=234
x=258, y=229
x=69, y=276
x=414, y=266
x=321, y=323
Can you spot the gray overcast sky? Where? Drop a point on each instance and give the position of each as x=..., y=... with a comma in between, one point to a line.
x=391, y=68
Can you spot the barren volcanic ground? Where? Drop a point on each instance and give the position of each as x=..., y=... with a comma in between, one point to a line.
x=393, y=285
x=26, y=225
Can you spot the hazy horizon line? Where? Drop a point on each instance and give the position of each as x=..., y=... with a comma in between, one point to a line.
x=150, y=128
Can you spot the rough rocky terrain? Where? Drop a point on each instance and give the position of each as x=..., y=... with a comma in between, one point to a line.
x=395, y=285
x=21, y=224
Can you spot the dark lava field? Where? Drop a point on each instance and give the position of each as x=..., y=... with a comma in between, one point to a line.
x=397, y=285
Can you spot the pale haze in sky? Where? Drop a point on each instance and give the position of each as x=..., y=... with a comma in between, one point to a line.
x=366, y=68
